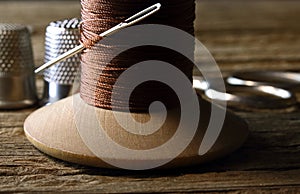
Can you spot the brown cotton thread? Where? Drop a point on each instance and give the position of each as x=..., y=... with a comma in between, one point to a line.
x=98, y=78
x=88, y=38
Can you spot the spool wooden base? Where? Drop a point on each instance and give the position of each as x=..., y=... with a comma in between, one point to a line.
x=53, y=130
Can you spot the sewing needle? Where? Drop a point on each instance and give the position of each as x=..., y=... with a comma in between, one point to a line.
x=128, y=22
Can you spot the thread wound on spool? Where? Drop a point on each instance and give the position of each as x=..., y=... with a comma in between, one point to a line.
x=100, y=15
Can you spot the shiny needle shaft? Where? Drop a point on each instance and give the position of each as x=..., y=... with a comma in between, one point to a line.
x=128, y=22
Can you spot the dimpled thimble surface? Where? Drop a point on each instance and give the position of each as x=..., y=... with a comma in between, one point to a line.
x=17, y=80
x=61, y=36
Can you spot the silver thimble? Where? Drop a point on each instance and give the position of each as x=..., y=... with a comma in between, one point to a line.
x=17, y=80
x=61, y=36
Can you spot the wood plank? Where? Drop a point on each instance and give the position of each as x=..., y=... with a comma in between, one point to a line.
x=86, y=180
x=13, y=118
x=262, y=15
x=252, y=47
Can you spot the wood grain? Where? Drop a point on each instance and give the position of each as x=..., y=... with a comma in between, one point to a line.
x=248, y=35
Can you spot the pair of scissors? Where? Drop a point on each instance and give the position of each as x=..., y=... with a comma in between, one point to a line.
x=254, y=90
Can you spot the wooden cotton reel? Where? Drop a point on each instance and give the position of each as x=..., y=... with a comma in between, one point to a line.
x=94, y=129
x=53, y=130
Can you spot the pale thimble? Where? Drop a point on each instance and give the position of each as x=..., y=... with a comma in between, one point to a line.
x=61, y=36
x=17, y=80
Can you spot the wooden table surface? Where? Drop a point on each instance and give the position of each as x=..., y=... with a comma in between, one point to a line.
x=242, y=35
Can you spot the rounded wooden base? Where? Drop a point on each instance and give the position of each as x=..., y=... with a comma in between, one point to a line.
x=55, y=130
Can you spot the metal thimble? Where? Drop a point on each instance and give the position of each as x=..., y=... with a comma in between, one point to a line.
x=61, y=36
x=17, y=79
